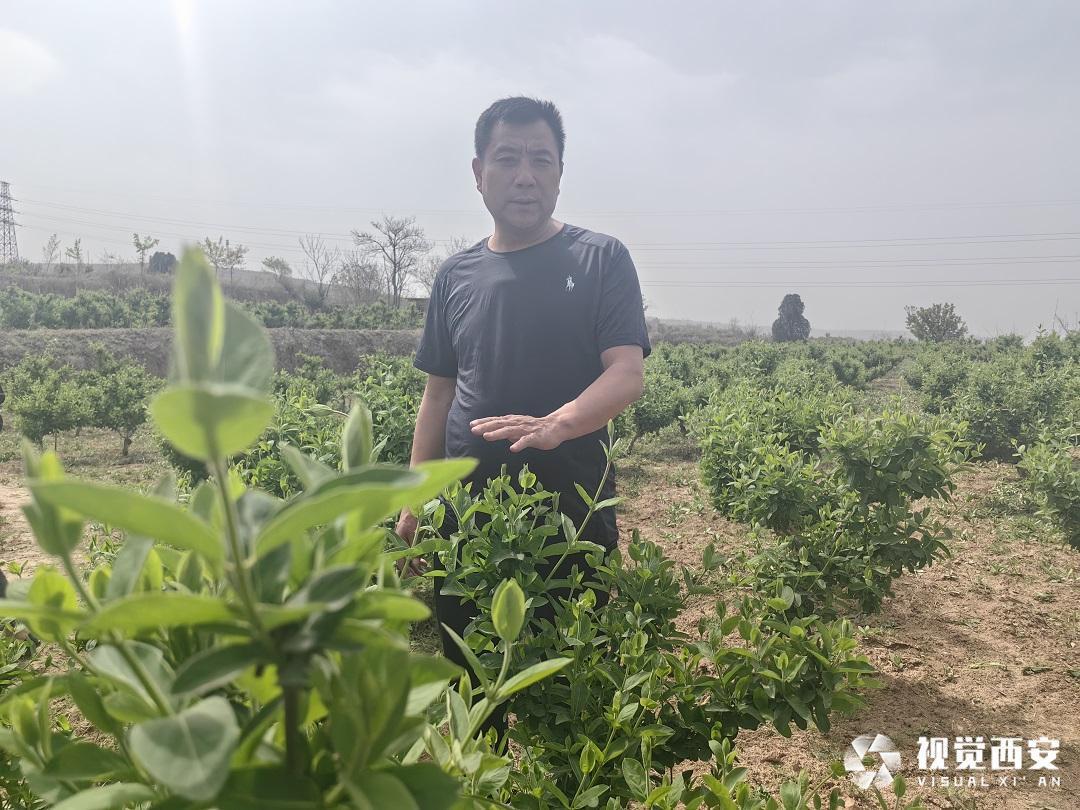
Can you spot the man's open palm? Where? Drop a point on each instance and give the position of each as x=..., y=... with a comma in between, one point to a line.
x=541, y=432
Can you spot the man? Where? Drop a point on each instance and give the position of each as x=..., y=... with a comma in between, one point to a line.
x=535, y=337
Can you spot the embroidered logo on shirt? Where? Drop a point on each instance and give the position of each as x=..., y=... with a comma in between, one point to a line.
x=569, y=283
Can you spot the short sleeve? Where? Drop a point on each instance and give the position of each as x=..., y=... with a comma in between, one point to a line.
x=622, y=311
x=435, y=354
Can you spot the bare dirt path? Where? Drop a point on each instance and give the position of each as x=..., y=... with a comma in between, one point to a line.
x=16, y=542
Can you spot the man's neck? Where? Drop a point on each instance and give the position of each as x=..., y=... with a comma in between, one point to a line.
x=503, y=241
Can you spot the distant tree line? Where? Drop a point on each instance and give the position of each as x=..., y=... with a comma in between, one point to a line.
x=385, y=262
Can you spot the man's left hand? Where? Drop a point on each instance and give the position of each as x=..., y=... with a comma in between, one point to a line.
x=541, y=432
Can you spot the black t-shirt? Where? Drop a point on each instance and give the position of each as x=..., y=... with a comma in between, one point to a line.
x=522, y=332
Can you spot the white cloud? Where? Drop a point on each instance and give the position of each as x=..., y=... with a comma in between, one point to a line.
x=25, y=63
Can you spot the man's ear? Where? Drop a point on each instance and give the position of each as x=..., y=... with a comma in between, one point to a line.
x=477, y=170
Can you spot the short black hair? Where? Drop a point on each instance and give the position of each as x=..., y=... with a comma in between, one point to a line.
x=518, y=110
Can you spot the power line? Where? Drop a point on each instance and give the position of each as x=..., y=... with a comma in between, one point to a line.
x=884, y=284
x=816, y=244
x=913, y=206
x=774, y=264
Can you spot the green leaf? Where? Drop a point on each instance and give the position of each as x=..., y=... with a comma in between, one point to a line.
x=310, y=472
x=55, y=598
x=790, y=795
x=357, y=439
x=334, y=587
x=128, y=566
x=88, y=702
x=189, y=752
x=247, y=355
x=534, y=674
x=375, y=790
x=799, y=706
x=108, y=797
x=390, y=490
x=57, y=530
x=219, y=419
x=127, y=707
x=145, y=515
x=391, y=605
x=589, y=757
x=585, y=496
x=430, y=787
x=508, y=610
x=590, y=798
x=212, y=668
x=311, y=510
x=470, y=656
x=428, y=676
x=107, y=661
x=148, y=611
x=81, y=761
x=636, y=778
x=899, y=786
x=198, y=316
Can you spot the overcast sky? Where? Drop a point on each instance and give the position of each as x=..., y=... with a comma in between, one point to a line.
x=914, y=152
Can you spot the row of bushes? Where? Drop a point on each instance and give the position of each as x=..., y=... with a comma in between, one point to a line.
x=98, y=309
x=48, y=397
x=1007, y=394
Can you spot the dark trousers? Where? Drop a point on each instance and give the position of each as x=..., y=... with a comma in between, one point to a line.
x=457, y=614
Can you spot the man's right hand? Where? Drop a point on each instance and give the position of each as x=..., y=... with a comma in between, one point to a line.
x=406, y=530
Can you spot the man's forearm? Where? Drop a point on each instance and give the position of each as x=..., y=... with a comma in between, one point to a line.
x=429, y=437
x=606, y=398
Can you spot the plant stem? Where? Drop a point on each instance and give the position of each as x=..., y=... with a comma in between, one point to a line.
x=148, y=683
x=242, y=581
x=293, y=760
x=584, y=523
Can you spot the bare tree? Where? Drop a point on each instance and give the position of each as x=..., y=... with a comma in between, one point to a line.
x=396, y=247
x=320, y=264
x=361, y=278
x=223, y=256
x=431, y=263
x=50, y=252
x=76, y=255
x=144, y=245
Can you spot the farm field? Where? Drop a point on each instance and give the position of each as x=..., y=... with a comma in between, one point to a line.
x=857, y=501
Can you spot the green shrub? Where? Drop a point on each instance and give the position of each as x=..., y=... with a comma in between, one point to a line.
x=1006, y=402
x=638, y=696
x=1053, y=480
x=837, y=496
x=46, y=398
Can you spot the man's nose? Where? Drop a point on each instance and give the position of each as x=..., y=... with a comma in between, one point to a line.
x=524, y=178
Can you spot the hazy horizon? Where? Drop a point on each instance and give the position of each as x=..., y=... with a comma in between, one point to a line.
x=865, y=156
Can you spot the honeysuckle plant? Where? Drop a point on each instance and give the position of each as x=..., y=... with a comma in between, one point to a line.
x=243, y=651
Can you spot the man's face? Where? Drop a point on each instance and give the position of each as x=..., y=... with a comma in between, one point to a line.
x=519, y=175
